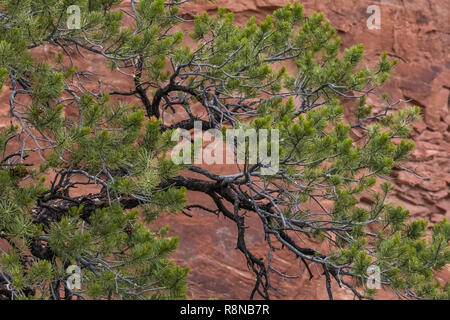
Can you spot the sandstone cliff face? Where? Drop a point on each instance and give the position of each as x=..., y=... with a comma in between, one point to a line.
x=417, y=32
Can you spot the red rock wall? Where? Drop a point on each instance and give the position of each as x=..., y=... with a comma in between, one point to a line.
x=417, y=32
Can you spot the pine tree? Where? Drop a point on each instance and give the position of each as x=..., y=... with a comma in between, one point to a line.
x=287, y=73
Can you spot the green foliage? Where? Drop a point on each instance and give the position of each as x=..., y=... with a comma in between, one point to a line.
x=141, y=266
x=118, y=256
